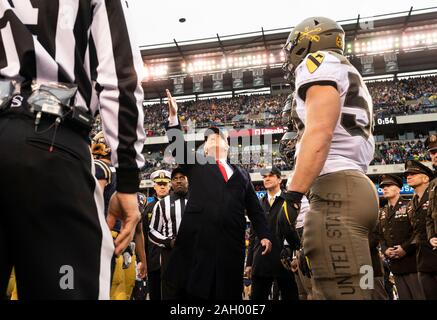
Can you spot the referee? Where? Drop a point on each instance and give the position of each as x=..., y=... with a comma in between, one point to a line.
x=80, y=59
x=164, y=226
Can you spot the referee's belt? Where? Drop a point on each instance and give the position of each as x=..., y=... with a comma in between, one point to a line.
x=18, y=105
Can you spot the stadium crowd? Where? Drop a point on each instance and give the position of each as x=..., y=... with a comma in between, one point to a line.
x=400, y=152
x=402, y=97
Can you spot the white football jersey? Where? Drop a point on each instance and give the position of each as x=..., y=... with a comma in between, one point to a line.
x=352, y=144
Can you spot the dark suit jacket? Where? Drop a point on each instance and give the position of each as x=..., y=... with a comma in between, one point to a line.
x=269, y=265
x=207, y=261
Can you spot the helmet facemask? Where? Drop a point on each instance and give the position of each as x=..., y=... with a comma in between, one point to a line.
x=288, y=67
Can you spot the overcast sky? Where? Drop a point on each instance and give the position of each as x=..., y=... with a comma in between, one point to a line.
x=158, y=21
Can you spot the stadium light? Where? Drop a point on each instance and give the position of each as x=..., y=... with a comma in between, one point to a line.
x=200, y=65
x=155, y=71
x=409, y=40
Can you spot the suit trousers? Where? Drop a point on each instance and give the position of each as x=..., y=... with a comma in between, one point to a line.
x=262, y=286
x=408, y=286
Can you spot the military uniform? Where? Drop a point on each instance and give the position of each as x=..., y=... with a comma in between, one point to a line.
x=431, y=218
x=426, y=257
x=395, y=229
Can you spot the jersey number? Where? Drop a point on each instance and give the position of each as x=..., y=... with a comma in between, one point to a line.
x=354, y=100
x=348, y=120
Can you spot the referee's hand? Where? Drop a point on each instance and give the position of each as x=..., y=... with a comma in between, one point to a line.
x=124, y=207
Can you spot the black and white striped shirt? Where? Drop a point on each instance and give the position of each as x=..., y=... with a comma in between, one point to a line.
x=166, y=219
x=88, y=43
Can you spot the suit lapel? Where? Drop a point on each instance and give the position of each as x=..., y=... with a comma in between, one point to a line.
x=235, y=172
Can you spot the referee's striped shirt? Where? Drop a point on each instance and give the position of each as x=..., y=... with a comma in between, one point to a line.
x=166, y=219
x=88, y=43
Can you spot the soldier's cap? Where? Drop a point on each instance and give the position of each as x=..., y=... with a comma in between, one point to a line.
x=390, y=179
x=414, y=166
x=272, y=170
x=176, y=171
x=214, y=130
x=431, y=143
x=160, y=176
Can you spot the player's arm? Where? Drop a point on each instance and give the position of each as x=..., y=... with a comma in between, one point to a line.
x=140, y=249
x=322, y=106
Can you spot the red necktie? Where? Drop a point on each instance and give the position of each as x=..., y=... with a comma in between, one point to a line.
x=222, y=170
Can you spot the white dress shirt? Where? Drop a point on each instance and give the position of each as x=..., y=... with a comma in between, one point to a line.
x=271, y=199
x=228, y=168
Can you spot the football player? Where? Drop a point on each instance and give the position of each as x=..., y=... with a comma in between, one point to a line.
x=333, y=112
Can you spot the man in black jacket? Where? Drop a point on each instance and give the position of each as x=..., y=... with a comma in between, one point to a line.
x=265, y=269
x=207, y=261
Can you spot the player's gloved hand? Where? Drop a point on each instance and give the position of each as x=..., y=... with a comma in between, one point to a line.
x=294, y=196
x=294, y=200
x=286, y=222
x=286, y=257
x=304, y=266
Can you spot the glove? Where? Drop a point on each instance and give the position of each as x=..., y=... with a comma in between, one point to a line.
x=286, y=257
x=294, y=196
x=293, y=199
x=287, y=218
x=304, y=264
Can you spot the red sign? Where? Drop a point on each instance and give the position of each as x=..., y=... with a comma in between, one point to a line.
x=255, y=132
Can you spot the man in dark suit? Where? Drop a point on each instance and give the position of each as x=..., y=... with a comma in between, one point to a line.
x=208, y=258
x=265, y=269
